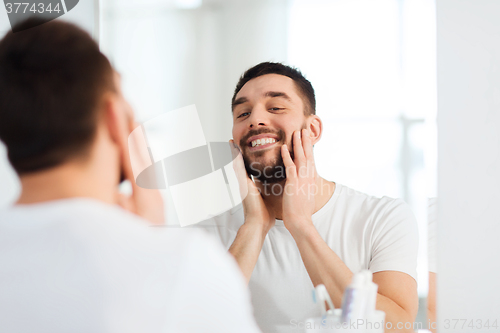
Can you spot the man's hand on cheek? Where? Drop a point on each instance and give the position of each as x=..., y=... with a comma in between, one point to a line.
x=254, y=207
x=300, y=187
x=147, y=203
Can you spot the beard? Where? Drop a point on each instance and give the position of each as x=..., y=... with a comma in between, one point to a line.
x=270, y=171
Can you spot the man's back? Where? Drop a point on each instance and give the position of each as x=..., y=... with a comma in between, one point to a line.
x=80, y=265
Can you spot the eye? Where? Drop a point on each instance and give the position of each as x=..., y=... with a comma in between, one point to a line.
x=275, y=109
x=243, y=114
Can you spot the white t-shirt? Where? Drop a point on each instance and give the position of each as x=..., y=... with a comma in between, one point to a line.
x=379, y=234
x=80, y=265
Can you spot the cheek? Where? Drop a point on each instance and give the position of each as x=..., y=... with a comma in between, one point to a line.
x=288, y=135
x=237, y=133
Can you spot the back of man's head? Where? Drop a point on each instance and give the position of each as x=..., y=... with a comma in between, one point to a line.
x=52, y=80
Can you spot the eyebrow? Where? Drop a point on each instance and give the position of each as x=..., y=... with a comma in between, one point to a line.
x=271, y=94
x=239, y=101
x=274, y=94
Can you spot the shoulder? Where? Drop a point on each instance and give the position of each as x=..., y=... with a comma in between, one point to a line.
x=376, y=215
x=372, y=205
x=91, y=224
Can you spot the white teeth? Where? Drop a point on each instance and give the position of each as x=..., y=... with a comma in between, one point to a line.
x=260, y=142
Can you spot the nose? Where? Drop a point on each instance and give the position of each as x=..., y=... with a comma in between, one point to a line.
x=258, y=117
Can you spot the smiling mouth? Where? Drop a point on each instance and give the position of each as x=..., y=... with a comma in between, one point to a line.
x=261, y=143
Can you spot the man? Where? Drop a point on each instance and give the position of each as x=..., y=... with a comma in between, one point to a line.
x=297, y=230
x=71, y=259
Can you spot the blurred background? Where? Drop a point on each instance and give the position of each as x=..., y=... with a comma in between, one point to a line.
x=372, y=64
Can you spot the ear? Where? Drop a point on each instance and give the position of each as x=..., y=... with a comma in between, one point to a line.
x=315, y=127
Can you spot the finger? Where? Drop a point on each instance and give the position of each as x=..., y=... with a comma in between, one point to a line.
x=122, y=137
x=307, y=143
x=298, y=150
x=308, y=149
x=238, y=163
x=239, y=169
x=127, y=155
x=291, y=170
x=147, y=203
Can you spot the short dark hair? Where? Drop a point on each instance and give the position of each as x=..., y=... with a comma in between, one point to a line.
x=304, y=87
x=52, y=79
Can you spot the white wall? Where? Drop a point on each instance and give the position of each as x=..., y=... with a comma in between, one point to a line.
x=468, y=48
x=171, y=57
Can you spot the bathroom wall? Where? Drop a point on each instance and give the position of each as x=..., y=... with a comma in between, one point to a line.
x=468, y=63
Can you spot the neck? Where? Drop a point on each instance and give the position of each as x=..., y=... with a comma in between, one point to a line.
x=69, y=180
x=274, y=199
